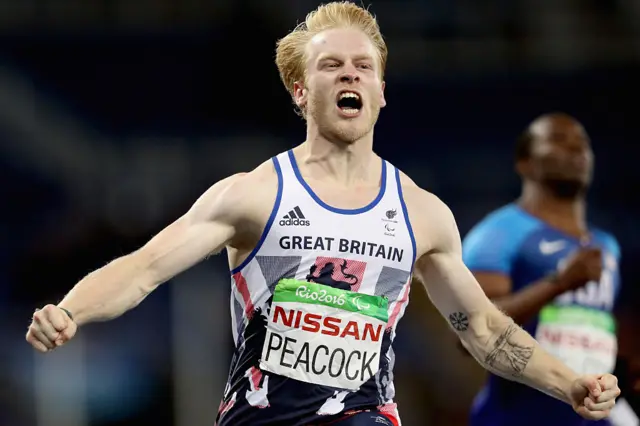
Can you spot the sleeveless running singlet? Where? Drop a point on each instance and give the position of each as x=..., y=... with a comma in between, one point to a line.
x=315, y=307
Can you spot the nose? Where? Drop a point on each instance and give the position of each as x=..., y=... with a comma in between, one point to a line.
x=349, y=78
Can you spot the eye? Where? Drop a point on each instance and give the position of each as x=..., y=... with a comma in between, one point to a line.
x=333, y=65
x=365, y=66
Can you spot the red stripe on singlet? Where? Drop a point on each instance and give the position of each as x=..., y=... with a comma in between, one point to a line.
x=241, y=283
x=401, y=301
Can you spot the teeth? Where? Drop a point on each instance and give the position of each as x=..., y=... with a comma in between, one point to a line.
x=349, y=95
x=349, y=111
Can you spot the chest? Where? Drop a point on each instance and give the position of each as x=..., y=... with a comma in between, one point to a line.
x=306, y=229
x=367, y=250
x=343, y=198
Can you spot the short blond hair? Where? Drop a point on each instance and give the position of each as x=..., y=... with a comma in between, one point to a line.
x=290, y=51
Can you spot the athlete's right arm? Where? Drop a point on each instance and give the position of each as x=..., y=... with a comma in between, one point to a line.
x=123, y=283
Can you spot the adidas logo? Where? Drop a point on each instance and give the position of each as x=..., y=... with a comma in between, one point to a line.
x=294, y=218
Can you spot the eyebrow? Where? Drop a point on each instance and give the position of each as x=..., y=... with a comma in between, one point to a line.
x=364, y=58
x=333, y=57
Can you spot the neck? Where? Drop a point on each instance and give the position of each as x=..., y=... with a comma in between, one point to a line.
x=345, y=163
x=568, y=215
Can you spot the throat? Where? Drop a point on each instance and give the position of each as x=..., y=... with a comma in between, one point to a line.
x=341, y=167
x=567, y=218
x=565, y=214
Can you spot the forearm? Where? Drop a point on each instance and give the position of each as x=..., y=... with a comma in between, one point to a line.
x=109, y=291
x=505, y=349
x=525, y=304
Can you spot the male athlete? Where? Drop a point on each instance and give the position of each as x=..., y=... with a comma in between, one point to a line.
x=548, y=269
x=322, y=242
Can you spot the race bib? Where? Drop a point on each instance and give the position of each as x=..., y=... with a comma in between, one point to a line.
x=583, y=338
x=324, y=335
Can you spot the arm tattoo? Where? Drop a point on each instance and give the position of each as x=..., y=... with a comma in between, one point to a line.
x=459, y=321
x=507, y=356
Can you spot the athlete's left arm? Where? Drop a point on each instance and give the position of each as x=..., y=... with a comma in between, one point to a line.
x=493, y=339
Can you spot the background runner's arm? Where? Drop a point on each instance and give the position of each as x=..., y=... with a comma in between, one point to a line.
x=490, y=251
x=123, y=283
x=493, y=339
x=521, y=305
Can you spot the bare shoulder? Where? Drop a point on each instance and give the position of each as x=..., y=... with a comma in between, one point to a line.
x=246, y=188
x=240, y=197
x=431, y=219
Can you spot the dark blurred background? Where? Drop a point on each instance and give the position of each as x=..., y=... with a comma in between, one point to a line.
x=116, y=114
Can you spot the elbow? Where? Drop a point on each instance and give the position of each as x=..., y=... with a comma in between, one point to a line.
x=504, y=305
x=477, y=334
x=485, y=324
x=483, y=327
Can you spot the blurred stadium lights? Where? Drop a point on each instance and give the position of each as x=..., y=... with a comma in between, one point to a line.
x=102, y=176
x=440, y=35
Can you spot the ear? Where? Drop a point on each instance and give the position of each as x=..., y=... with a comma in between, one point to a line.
x=383, y=101
x=300, y=94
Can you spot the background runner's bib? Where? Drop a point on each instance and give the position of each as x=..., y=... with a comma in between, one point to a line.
x=324, y=335
x=583, y=338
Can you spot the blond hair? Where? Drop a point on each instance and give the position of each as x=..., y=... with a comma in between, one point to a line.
x=290, y=51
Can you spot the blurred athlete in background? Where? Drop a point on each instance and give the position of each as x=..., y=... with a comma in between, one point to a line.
x=547, y=268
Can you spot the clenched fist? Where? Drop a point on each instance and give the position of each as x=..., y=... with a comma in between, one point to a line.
x=581, y=267
x=593, y=397
x=51, y=327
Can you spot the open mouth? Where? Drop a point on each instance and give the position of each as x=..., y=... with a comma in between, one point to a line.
x=349, y=103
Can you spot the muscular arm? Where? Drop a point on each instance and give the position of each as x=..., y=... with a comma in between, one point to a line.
x=521, y=305
x=491, y=337
x=122, y=284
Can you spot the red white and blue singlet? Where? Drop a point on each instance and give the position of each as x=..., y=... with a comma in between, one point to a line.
x=315, y=307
